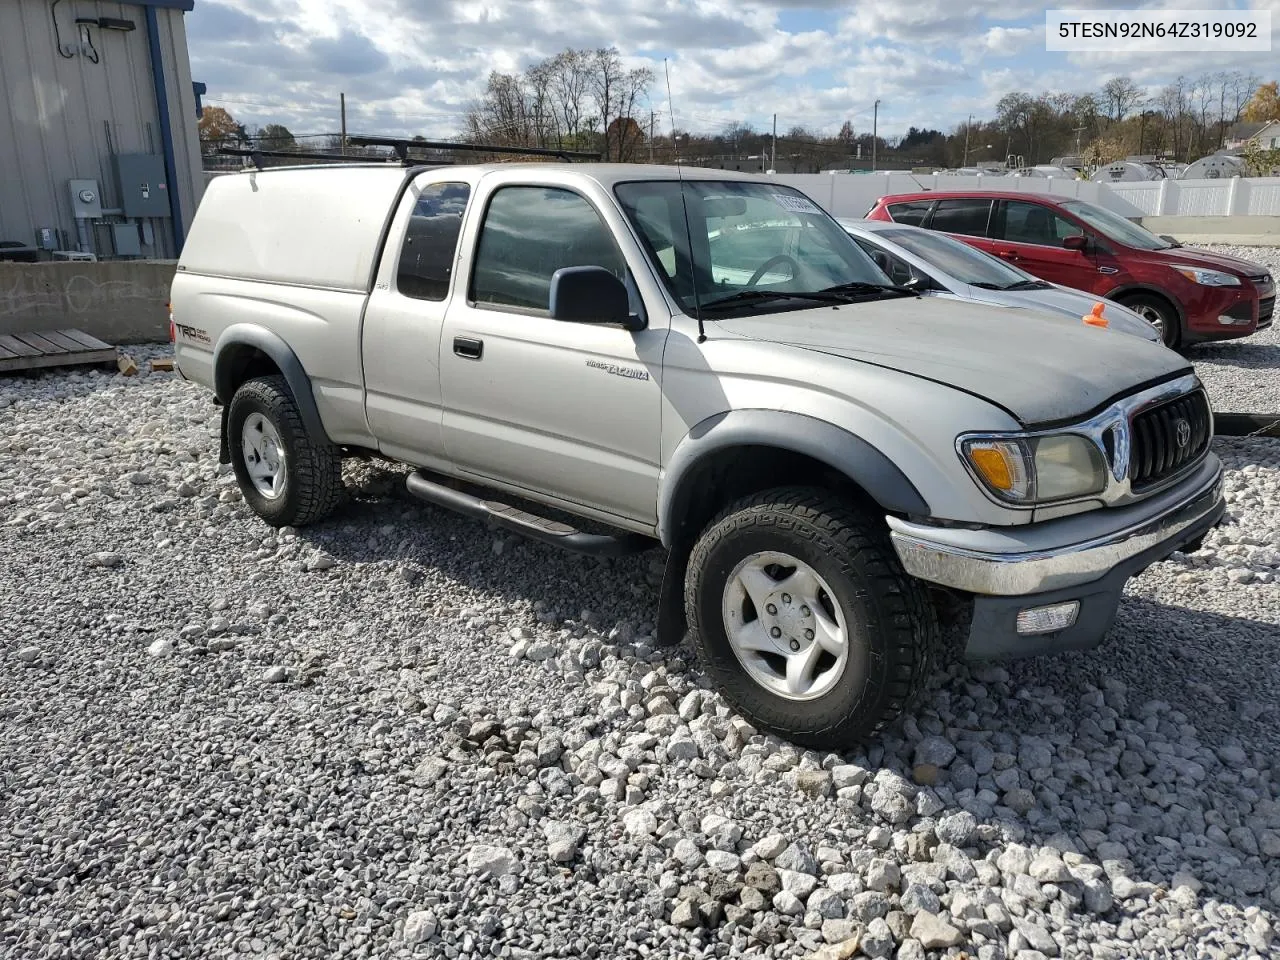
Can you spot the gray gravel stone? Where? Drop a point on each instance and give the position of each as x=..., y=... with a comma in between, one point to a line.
x=563, y=840
x=935, y=751
x=493, y=860
x=420, y=926
x=957, y=829
x=796, y=857
x=933, y=932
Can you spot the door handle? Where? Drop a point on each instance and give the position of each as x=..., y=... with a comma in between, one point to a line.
x=468, y=347
x=1108, y=270
x=1010, y=254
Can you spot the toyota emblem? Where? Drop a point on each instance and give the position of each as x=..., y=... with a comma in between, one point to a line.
x=1183, y=431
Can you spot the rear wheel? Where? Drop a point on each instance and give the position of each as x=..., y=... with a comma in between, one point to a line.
x=287, y=477
x=1160, y=314
x=802, y=613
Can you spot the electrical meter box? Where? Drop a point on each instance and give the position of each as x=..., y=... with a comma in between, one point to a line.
x=144, y=188
x=86, y=200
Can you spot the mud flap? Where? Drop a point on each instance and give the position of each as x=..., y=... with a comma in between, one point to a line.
x=224, y=445
x=672, y=622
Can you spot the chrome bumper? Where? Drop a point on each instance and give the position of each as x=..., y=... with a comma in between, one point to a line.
x=973, y=561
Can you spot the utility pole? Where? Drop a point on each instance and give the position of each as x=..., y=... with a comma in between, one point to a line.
x=967, y=127
x=773, y=161
x=875, y=123
x=342, y=105
x=651, y=136
x=1079, y=130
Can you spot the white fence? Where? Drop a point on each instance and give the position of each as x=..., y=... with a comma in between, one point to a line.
x=852, y=195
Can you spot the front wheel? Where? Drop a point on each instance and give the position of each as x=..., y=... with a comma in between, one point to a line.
x=803, y=614
x=286, y=476
x=1160, y=315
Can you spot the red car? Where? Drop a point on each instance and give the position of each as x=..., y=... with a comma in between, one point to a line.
x=1190, y=295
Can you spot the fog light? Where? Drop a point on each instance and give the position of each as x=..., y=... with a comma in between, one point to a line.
x=1050, y=619
x=1227, y=320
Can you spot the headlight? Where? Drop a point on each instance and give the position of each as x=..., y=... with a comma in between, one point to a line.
x=1037, y=469
x=1209, y=278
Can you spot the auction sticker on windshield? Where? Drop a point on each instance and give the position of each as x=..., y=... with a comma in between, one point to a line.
x=1169, y=31
x=795, y=203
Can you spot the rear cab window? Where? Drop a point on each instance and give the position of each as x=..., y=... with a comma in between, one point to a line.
x=964, y=215
x=431, y=241
x=911, y=212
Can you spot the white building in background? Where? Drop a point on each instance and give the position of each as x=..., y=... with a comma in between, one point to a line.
x=99, y=149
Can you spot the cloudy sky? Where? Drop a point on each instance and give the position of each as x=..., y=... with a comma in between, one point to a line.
x=414, y=66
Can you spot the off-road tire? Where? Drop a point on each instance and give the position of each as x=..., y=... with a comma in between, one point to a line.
x=888, y=611
x=313, y=468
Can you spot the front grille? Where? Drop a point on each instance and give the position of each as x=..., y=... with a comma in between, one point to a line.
x=1167, y=439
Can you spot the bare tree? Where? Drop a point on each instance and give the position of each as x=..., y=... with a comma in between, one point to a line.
x=1121, y=95
x=1240, y=90
x=570, y=85
x=1173, y=104
x=578, y=99
x=617, y=91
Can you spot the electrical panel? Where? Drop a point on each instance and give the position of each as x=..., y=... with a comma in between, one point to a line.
x=144, y=188
x=125, y=239
x=86, y=200
x=49, y=238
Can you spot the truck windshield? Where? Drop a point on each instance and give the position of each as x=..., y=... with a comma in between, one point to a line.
x=748, y=246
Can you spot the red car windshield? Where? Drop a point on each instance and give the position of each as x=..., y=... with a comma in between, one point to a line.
x=1115, y=227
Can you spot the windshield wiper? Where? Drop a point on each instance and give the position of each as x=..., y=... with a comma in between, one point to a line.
x=988, y=286
x=861, y=286
x=1028, y=285
x=763, y=296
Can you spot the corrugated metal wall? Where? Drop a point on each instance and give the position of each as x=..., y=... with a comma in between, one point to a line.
x=62, y=119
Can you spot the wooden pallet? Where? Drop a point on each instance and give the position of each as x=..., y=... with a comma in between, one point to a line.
x=51, y=348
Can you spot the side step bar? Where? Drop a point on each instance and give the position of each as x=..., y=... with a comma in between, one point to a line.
x=506, y=517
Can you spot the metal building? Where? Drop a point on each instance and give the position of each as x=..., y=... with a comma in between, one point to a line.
x=99, y=149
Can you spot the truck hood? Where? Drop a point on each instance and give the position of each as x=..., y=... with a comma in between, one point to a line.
x=1195, y=257
x=1037, y=368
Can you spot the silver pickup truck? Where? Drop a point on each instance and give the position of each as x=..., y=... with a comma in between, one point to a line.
x=707, y=362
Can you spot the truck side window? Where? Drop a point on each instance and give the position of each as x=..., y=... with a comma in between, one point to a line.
x=431, y=241
x=528, y=234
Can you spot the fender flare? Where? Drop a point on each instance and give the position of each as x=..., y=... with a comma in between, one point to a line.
x=251, y=335
x=839, y=449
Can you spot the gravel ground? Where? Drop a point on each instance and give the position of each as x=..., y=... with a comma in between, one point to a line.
x=1243, y=376
x=398, y=735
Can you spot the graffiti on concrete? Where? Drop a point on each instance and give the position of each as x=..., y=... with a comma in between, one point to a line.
x=76, y=295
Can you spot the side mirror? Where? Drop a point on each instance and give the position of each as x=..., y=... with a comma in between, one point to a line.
x=591, y=295
x=1078, y=242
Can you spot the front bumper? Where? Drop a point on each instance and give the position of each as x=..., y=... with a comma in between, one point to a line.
x=1086, y=558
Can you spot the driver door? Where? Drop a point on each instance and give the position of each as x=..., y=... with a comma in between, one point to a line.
x=565, y=411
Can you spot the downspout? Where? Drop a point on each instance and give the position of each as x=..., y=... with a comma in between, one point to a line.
x=166, y=128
